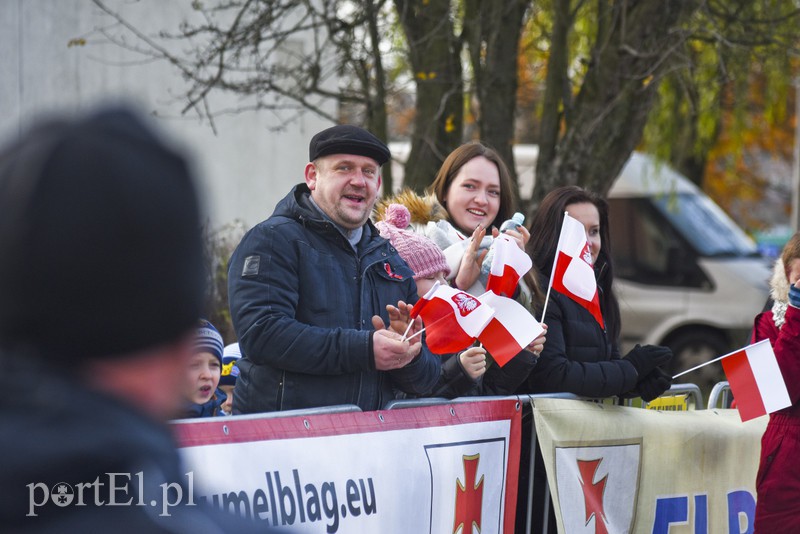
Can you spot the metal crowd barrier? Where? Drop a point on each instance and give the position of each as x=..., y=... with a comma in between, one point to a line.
x=691, y=390
x=437, y=401
x=720, y=395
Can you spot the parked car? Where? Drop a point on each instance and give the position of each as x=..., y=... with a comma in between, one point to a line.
x=686, y=275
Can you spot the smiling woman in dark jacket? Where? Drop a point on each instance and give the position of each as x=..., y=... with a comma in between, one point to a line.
x=581, y=356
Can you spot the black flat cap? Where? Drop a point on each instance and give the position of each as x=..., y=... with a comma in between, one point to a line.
x=348, y=139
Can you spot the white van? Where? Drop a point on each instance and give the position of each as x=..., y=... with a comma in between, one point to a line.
x=686, y=275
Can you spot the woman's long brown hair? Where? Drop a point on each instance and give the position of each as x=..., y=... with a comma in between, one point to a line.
x=545, y=228
x=457, y=159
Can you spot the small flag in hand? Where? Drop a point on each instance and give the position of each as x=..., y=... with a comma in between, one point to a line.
x=509, y=264
x=756, y=380
x=452, y=319
x=510, y=330
x=573, y=274
x=422, y=302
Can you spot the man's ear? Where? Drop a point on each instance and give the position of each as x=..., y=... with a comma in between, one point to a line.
x=311, y=175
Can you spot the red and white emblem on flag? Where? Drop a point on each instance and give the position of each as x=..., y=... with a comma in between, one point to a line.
x=509, y=264
x=452, y=318
x=573, y=274
x=465, y=302
x=756, y=380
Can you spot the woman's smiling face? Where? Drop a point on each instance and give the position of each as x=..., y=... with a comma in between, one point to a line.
x=586, y=213
x=474, y=195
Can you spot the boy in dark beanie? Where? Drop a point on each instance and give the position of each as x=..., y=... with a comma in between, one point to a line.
x=203, y=373
x=101, y=284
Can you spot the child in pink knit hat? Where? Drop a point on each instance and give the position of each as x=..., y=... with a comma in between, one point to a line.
x=460, y=376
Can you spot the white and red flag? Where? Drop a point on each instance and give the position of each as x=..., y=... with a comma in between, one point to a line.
x=510, y=330
x=417, y=307
x=573, y=274
x=756, y=380
x=452, y=318
x=509, y=264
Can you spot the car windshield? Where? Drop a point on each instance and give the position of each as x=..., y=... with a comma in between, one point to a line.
x=705, y=225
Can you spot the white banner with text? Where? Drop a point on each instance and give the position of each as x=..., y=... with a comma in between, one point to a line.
x=446, y=468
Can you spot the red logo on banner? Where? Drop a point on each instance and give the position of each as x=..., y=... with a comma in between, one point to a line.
x=593, y=494
x=469, y=498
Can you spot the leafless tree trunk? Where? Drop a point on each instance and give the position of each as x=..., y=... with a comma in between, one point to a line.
x=631, y=54
x=375, y=84
x=492, y=30
x=434, y=54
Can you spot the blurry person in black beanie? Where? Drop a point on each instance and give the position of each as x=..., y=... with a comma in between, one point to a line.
x=308, y=287
x=101, y=286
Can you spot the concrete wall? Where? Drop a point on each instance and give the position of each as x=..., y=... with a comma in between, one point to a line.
x=244, y=170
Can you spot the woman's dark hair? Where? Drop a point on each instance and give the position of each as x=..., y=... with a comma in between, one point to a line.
x=457, y=159
x=545, y=228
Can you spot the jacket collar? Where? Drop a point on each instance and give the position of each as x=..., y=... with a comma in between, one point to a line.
x=779, y=291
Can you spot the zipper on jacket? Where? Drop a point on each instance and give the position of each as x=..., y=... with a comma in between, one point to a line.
x=358, y=388
x=280, y=390
x=379, y=404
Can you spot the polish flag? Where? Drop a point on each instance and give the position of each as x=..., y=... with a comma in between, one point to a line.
x=452, y=319
x=573, y=274
x=510, y=330
x=509, y=264
x=417, y=307
x=756, y=380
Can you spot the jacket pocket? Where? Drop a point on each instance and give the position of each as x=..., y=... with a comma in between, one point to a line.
x=323, y=282
x=770, y=456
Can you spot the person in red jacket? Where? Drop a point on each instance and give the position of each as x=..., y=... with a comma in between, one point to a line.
x=778, y=479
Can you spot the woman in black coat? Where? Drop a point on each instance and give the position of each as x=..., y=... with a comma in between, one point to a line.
x=581, y=356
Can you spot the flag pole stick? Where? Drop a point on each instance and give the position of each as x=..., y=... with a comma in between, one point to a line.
x=426, y=297
x=423, y=329
x=701, y=365
x=410, y=324
x=553, y=269
x=546, y=300
x=415, y=335
x=712, y=361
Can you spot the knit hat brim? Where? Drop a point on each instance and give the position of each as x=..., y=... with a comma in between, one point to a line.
x=421, y=254
x=208, y=339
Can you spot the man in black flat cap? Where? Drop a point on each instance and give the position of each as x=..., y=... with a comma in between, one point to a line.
x=305, y=285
